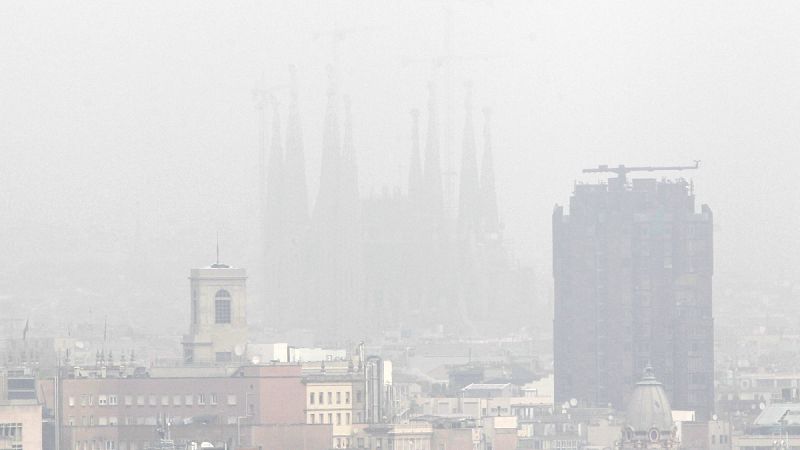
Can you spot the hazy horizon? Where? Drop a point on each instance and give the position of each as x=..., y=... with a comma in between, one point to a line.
x=130, y=135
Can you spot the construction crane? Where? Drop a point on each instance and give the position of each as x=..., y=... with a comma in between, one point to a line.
x=622, y=170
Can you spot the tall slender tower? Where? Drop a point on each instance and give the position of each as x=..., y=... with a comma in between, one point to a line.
x=415, y=182
x=632, y=263
x=432, y=174
x=437, y=273
x=469, y=201
x=296, y=218
x=490, y=221
x=350, y=240
x=275, y=223
x=295, y=191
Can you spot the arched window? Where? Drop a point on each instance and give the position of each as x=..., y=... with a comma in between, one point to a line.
x=222, y=307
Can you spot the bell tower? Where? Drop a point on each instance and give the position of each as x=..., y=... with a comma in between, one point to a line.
x=218, y=318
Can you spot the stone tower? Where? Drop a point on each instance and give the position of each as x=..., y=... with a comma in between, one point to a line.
x=218, y=321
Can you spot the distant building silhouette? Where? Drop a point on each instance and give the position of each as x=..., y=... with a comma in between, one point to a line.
x=632, y=264
x=359, y=265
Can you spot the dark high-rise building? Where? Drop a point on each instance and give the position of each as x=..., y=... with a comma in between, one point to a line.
x=632, y=263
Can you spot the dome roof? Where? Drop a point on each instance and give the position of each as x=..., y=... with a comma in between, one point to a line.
x=649, y=407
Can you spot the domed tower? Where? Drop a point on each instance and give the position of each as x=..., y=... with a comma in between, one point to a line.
x=648, y=418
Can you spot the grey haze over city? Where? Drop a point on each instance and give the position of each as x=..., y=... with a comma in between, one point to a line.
x=138, y=143
x=130, y=132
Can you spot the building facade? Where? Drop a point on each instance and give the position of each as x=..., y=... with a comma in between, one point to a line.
x=20, y=425
x=135, y=413
x=632, y=265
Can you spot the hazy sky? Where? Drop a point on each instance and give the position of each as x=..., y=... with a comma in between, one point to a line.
x=125, y=116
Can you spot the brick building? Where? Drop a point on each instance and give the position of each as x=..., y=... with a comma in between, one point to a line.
x=255, y=406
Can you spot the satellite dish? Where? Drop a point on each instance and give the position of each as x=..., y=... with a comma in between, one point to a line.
x=238, y=350
x=80, y=345
x=565, y=405
x=761, y=406
x=714, y=417
x=573, y=402
x=255, y=360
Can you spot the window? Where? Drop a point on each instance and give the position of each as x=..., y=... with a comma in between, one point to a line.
x=321, y=398
x=347, y=397
x=165, y=400
x=321, y=418
x=110, y=445
x=212, y=399
x=330, y=417
x=112, y=400
x=102, y=421
x=348, y=418
x=84, y=399
x=128, y=400
x=152, y=400
x=311, y=397
x=338, y=398
x=71, y=401
x=140, y=400
x=188, y=355
x=201, y=399
x=231, y=399
x=358, y=396
x=102, y=400
x=330, y=398
x=338, y=418
x=222, y=307
x=71, y=421
x=189, y=400
x=176, y=400
x=311, y=418
x=223, y=356
x=11, y=432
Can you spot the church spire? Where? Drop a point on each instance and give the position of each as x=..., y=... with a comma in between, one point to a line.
x=415, y=166
x=469, y=191
x=432, y=174
x=349, y=168
x=348, y=150
x=489, y=215
x=296, y=194
x=274, y=201
x=331, y=154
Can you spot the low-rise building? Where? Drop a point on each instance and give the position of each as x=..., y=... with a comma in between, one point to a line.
x=135, y=413
x=20, y=425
